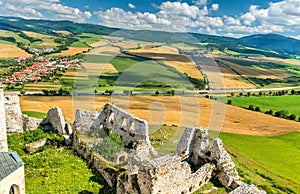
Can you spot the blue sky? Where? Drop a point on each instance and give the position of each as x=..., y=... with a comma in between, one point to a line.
x=227, y=18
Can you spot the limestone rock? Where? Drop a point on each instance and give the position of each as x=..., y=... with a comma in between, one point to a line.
x=247, y=189
x=34, y=146
x=14, y=117
x=55, y=121
x=227, y=174
x=31, y=123
x=83, y=120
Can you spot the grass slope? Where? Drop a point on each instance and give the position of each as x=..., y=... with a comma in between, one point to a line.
x=276, y=103
x=56, y=170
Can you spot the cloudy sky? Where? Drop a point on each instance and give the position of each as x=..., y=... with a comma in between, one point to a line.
x=226, y=18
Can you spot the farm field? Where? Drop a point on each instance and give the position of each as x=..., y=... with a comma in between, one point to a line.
x=70, y=51
x=47, y=40
x=40, y=86
x=171, y=57
x=168, y=110
x=263, y=72
x=85, y=40
x=9, y=50
x=5, y=33
x=276, y=103
x=277, y=155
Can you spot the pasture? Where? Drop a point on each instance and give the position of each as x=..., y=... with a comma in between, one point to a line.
x=276, y=103
x=170, y=56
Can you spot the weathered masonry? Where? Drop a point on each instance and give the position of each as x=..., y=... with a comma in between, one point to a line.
x=134, y=166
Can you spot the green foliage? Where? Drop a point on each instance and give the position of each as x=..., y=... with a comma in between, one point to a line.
x=57, y=170
x=34, y=135
x=110, y=146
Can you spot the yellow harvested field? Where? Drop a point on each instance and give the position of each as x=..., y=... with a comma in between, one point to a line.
x=237, y=120
x=126, y=45
x=100, y=43
x=41, y=86
x=80, y=75
x=233, y=80
x=37, y=35
x=11, y=50
x=105, y=50
x=99, y=68
x=171, y=57
x=70, y=51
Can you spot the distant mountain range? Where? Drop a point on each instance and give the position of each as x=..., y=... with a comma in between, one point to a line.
x=265, y=44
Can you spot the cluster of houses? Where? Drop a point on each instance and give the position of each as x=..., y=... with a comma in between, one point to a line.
x=41, y=67
x=38, y=51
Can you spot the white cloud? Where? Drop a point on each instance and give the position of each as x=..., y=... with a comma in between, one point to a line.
x=130, y=5
x=215, y=7
x=200, y=2
x=171, y=16
x=40, y=9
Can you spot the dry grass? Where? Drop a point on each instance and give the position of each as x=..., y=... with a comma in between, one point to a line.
x=70, y=51
x=100, y=67
x=10, y=50
x=105, y=50
x=41, y=86
x=100, y=43
x=237, y=120
x=171, y=57
x=126, y=45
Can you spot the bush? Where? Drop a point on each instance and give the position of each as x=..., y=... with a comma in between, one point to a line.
x=251, y=107
x=110, y=146
x=229, y=102
x=34, y=135
x=257, y=109
x=292, y=117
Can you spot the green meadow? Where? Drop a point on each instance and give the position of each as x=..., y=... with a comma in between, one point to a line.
x=276, y=103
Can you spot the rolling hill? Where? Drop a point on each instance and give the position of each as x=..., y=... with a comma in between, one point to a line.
x=270, y=45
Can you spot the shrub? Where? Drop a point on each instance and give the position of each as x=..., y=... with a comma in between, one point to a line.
x=251, y=107
x=229, y=102
x=292, y=117
x=257, y=109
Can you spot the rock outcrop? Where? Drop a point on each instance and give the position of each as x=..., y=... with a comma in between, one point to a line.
x=55, y=121
x=138, y=168
x=14, y=117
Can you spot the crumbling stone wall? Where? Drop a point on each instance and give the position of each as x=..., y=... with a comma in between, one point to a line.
x=16, y=122
x=14, y=117
x=193, y=164
x=3, y=136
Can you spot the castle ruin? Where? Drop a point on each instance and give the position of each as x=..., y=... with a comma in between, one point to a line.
x=138, y=168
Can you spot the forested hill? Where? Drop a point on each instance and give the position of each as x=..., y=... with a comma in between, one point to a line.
x=268, y=44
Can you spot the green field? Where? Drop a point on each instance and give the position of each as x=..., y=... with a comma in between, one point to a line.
x=274, y=157
x=5, y=33
x=56, y=169
x=276, y=103
x=85, y=40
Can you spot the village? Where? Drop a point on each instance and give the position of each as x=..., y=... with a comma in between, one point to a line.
x=36, y=69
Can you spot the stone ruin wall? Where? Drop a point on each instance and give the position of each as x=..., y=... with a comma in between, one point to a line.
x=3, y=136
x=147, y=172
x=16, y=122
